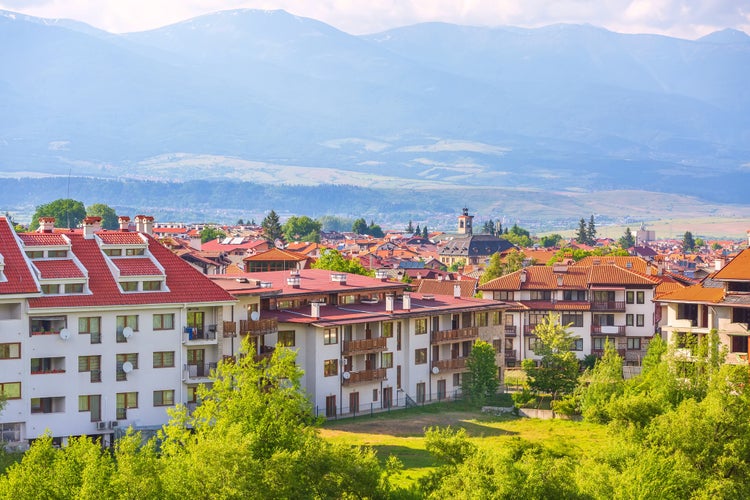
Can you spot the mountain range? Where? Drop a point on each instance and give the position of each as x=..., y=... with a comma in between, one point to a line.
x=476, y=115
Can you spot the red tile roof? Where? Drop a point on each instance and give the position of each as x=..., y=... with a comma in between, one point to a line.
x=137, y=266
x=695, y=293
x=185, y=283
x=737, y=268
x=18, y=276
x=42, y=239
x=120, y=238
x=276, y=254
x=54, y=269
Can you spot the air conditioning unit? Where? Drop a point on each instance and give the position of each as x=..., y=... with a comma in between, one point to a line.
x=113, y=424
x=101, y=425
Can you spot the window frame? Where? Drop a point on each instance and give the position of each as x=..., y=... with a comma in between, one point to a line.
x=420, y=356
x=420, y=326
x=162, y=393
x=161, y=317
x=7, y=346
x=161, y=356
x=330, y=336
x=330, y=367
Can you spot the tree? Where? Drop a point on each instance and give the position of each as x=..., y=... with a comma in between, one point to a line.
x=301, y=229
x=489, y=227
x=410, y=228
x=550, y=241
x=359, y=226
x=332, y=260
x=419, y=230
x=271, y=227
x=699, y=242
x=688, y=243
x=68, y=213
x=558, y=370
x=211, y=233
x=375, y=230
x=600, y=385
x=333, y=223
x=514, y=261
x=627, y=240
x=591, y=231
x=582, y=235
x=494, y=269
x=425, y=233
x=483, y=381
x=518, y=236
x=240, y=222
x=107, y=213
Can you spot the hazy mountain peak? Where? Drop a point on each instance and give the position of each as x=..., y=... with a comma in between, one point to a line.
x=727, y=35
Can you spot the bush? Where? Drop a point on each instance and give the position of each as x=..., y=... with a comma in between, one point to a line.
x=523, y=398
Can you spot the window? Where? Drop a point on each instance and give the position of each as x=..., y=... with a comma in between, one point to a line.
x=47, y=326
x=10, y=351
x=374, y=394
x=541, y=295
x=192, y=394
x=47, y=405
x=388, y=329
x=57, y=253
x=122, y=322
x=164, y=398
x=163, y=359
x=163, y=321
x=398, y=336
x=629, y=320
x=420, y=356
x=533, y=344
x=639, y=320
x=135, y=251
x=11, y=390
x=126, y=400
x=502, y=295
x=74, y=288
x=113, y=252
x=89, y=363
x=84, y=403
x=386, y=360
x=482, y=319
x=598, y=343
x=50, y=289
x=576, y=295
x=739, y=344
x=89, y=325
x=129, y=286
x=604, y=319
x=497, y=318
x=420, y=326
x=456, y=379
x=286, y=338
x=330, y=336
x=34, y=254
x=508, y=344
x=630, y=297
x=421, y=392
x=330, y=367
x=151, y=286
x=132, y=358
x=634, y=344
x=577, y=345
x=640, y=298
x=572, y=318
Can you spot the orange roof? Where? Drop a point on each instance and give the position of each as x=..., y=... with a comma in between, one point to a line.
x=276, y=254
x=633, y=263
x=445, y=287
x=42, y=239
x=120, y=238
x=540, y=278
x=695, y=293
x=737, y=268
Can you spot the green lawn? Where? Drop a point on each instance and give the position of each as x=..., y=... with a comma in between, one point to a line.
x=400, y=433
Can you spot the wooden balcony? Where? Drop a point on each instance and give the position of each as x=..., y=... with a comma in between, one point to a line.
x=510, y=330
x=363, y=376
x=229, y=329
x=266, y=352
x=608, y=330
x=608, y=305
x=600, y=352
x=260, y=327
x=443, y=336
x=450, y=364
x=365, y=345
x=510, y=354
x=529, y=329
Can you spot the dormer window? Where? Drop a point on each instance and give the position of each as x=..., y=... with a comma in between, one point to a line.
x=113, y=252
x=135, y=251
x=129, y=286
x=74, y=288
x=57, y=253
x=151, y=286
x=35, y=254
x=51, y=289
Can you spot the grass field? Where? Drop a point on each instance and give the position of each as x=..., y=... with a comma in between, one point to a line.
x=400, y=433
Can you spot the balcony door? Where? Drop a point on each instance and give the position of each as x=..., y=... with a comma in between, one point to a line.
x=387, y=398
x=354, y=403
x=195, y=320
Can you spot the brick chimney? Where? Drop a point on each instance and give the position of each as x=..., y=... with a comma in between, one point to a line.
x=90, y=226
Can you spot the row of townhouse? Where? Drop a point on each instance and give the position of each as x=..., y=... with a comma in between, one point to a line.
x=105, y=329
x=599, y=301
x=719, y=302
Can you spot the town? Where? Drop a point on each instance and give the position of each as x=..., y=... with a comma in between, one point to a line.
x=105, y=329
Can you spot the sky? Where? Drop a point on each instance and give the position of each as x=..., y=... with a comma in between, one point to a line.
x=688, y=19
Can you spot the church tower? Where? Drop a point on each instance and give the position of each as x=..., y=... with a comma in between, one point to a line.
x=465, y=222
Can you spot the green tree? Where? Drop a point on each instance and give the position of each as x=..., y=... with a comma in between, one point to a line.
x=582, y=235
x=557, y=372
x=489, y=227
x=334, y=223
x=514, y=261
x=271, y=227
x=550, y=241
x=459, y=264
x=483, y=381
x=627, y=240
x=591, y=231
x=211, y=233
x=107, y=213
x=419, y=230
x=68, y=213
x=359, y=226
x=301, y=229
x=410, y=228
x=688, y=243
x=375, y=230
x=600, y=385
x=493, y=270
x=332, y=260
x=425, y=233
x=699, y=242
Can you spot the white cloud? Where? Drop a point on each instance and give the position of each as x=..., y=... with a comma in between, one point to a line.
x=682, y=18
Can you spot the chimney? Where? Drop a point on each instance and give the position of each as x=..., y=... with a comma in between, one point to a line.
x=648, y=269
x=144, y=224
x=293, y=281
x=559, y=280
x=339, y=277
x=456, y=291
x=389, y=302
x=315, y=310
x=90, y=226
x=718, y=264
x=124, y=222
x=407, y=301
x=522, y=276
x=46, y=224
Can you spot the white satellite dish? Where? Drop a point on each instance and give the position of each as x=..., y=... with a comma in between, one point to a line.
x=65, y=334
x=435, y=370
x=346, y=375
x=127, y=367
x=127, y=332
x=255, y=315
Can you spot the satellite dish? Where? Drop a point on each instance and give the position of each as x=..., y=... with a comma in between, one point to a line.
x=65, y=334
x=127, y=367
x=255, y=315
x=346, y=375
x=435, y=370
x=127, y=332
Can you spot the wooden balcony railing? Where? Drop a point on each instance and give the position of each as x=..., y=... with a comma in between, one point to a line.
x=229, y=328
x=260, y=327
x=442, y=336
x=510, y=330
x=450, y=364
x=611, y=330
x=608, y=305
x=510, y=354
x=363, y=376
x=600, y=352
x=365, y=345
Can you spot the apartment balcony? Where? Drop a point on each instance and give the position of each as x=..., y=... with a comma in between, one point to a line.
x=608, y=305
x=600, y=352
x=229, y=329
x=511, y=354
x=446, y=336
x=608, y=330
x=258, y=328
x=510, y=330
x=265, y=353
x=450, y=364
x=199, y=336
x=365, y=345
x=350, y=378
x=635, y=355
x=198, y=372
x=529, y=329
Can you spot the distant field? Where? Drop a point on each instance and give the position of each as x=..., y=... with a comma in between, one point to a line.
x=400, y=433
x=702, y=227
